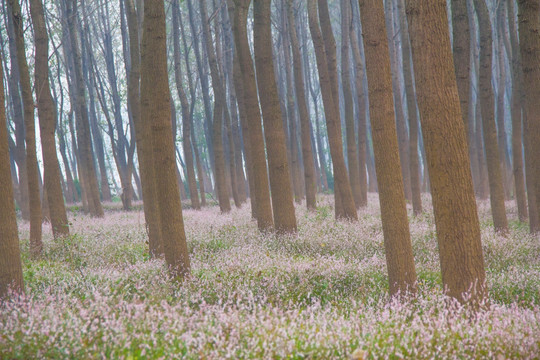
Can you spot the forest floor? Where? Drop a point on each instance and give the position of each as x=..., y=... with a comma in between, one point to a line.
x=319, y=294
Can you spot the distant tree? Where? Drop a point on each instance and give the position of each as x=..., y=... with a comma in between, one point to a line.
x=395, y=223
x=36, y=245
x=445, y=139
x=11, y=276
x=156, y=113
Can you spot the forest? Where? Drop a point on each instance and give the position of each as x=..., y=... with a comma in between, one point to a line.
x=270, y=179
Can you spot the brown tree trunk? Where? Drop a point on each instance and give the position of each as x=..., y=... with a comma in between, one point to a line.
x=325, y=51
x=255, y=134
x=529, y=46
x=144, y=143
x=307, y=154
x=36, y=245
x=155, y=113
x=445, y=139
x=47, y=123
x=397, y=240
x=11, y=276
x=280, y=179
x=516, y=112
x=84, y=141
x=487, y=105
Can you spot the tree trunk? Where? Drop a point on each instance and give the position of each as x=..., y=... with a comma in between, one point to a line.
x=36, y=245
x=487, y=105
x=280, y=179
x=445, y=139
x=11, y=276
x=156, y=113
x=397, y=240
x=47, y=123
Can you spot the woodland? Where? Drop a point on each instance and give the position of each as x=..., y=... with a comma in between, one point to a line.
x=270, y=179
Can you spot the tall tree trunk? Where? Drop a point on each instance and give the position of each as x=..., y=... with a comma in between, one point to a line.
x=397, y=240
x=83, y=128
x=280, y=179
x=517, y=105
x=307, y=154
x=414, y=163
x=11, y=276
x=156, y=113
x=529, y=46
x=47, y=123
x=260, y=172
x=487, y=105
x=325, y=51
x=144, y=143
x=445, y=139
x=36, y=245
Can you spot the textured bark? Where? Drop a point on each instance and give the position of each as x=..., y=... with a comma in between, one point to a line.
x=414, y=163
x=278, y=168
x=155, y=111
x=487, y=105
x=397, y=240
x=307, y=154
x=517, y=105
x=445, y=139
x=36, y=245
x=86, y=163
x=255, y=134
x=352, y=156
x=325, y=51
x=47, y=123
x=11, y=276
x=144, y=143
x=529, y=45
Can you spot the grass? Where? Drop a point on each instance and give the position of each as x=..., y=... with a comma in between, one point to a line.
x=319, y=294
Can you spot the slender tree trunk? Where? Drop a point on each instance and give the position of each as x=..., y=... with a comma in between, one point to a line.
x=47, y=123
x=36, y=245
x=155, y=113
x=529, y=46
x=307, y=154
x=397, y=240
x=445, y=138
x=11, y=276
x=280, y=179
x=487, y=104
x=260, y=172
x=325, y=51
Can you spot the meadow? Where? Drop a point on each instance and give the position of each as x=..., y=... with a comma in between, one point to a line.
x=319, y=294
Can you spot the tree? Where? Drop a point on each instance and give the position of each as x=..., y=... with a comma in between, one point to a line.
x=529, y=46
x=47, y=123
x=487, y=106
x=280, y=179
x=36, y=245
x=11, y=276
x=397, y=240
x=156, y=113
x=445, y=139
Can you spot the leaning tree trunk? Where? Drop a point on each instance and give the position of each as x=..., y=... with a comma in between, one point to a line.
x=156, y=113
x=36, y=245
x=445, y=140
x=11, y=276
x=397, y=240
x=280, y=179
x=47, y=123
